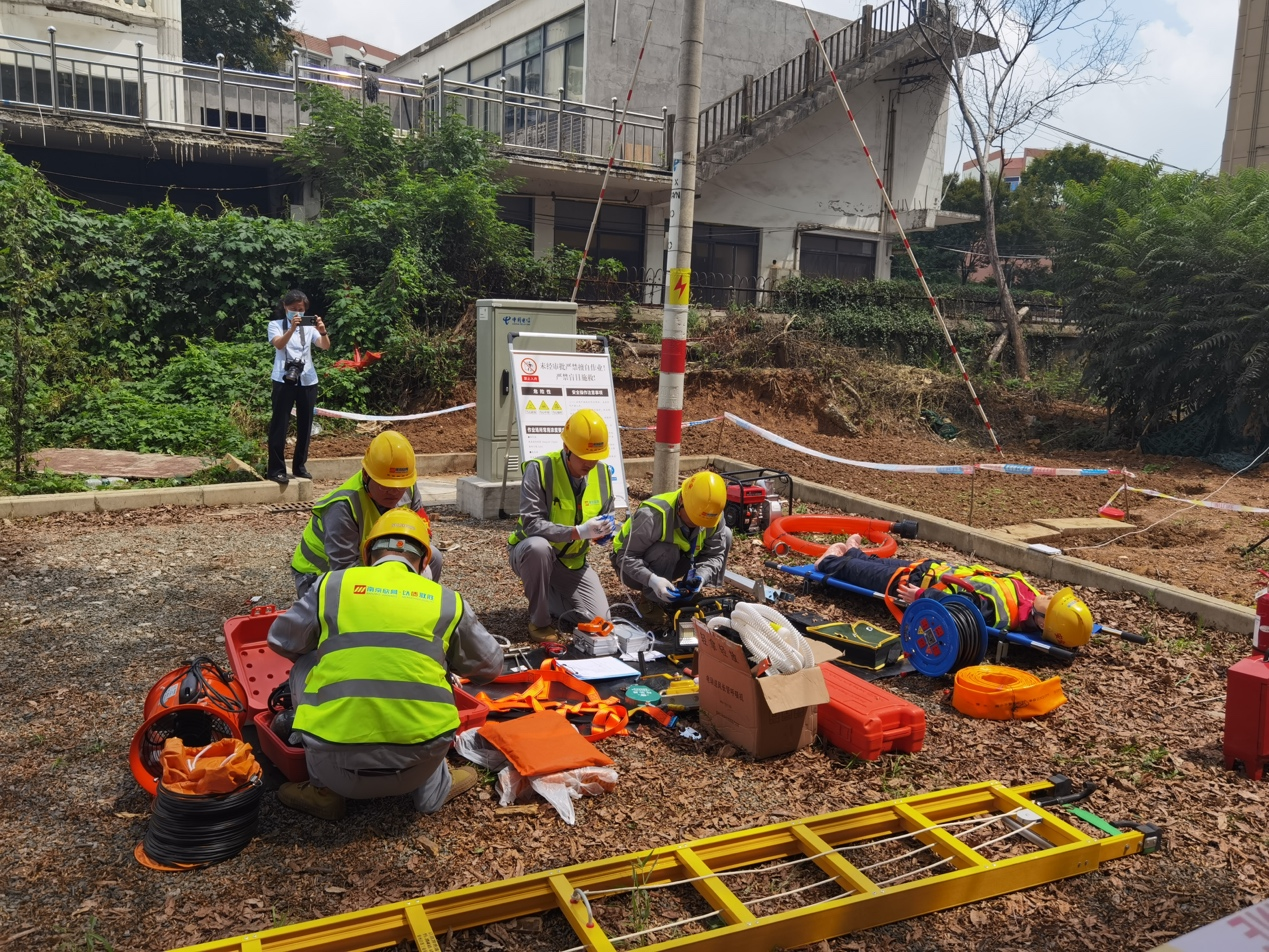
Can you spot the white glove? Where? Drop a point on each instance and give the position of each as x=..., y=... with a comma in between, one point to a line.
x=595, y=528
x=663, y=589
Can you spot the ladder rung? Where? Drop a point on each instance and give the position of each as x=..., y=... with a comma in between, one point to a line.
x=711, y=887
x=850, y=878
x=944, y=843
x=578, y=915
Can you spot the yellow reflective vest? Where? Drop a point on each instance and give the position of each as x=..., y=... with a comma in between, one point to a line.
x=380, y=676
x=565, y=509
x=665, y=506
x=310, y=554
x=997, y=590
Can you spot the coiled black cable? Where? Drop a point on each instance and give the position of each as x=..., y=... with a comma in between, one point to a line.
x=201, y=829
x=971, y=635
x=227, y=702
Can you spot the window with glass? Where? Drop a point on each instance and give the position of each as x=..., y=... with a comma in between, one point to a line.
x=537, y=63
x=619, y=234
x=847, y=259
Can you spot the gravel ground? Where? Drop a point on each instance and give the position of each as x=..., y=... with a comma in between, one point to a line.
x=96, y=607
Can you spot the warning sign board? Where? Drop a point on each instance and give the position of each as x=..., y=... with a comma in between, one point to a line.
x=551, y=386
x=680, y=287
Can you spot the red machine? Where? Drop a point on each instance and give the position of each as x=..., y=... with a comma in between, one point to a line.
x=865, y=720
x=1260, y=633
x=749, y=508
x=1247, y=715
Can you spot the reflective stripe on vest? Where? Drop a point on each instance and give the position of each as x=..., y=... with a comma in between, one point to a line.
x=566, y=510
x=666, y=507
x=310, y=555
x=380, y=676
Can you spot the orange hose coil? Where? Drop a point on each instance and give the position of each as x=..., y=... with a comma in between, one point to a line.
x=997, y=693
x=780, y=539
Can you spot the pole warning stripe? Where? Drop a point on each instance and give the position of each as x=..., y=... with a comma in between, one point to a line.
x=680, y=287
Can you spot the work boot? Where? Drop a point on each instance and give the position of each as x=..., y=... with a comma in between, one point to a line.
x=461, y=779
x=540, y=634
x=315, y=801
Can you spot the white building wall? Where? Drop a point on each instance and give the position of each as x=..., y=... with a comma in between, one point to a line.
x=817, y=175
x=741, y=37
x=117, y=29
x=462, y=43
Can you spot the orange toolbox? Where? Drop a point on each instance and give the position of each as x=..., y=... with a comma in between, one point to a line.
x=865, y=720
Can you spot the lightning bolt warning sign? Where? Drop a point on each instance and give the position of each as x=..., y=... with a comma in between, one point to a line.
x=680, y=286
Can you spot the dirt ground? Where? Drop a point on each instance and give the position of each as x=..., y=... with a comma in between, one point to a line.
x=95, y=607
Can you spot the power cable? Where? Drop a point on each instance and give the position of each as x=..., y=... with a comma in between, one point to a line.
x=198, y=830
x=1103, y=145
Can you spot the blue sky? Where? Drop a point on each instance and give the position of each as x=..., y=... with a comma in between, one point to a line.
x=1176, y=109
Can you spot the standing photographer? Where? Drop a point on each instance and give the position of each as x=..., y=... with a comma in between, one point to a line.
x=293, y=334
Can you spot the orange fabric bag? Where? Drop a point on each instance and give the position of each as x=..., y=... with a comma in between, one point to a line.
x=221, y=767
x=543, y=743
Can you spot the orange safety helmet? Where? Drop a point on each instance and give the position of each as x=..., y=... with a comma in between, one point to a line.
x=389, y=460
x=586, y=435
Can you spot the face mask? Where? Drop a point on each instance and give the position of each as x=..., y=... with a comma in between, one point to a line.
x=293, y=314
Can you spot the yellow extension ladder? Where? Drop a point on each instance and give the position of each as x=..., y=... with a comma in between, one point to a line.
x=912, y=856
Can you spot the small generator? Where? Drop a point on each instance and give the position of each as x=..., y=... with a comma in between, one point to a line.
x=750, y=500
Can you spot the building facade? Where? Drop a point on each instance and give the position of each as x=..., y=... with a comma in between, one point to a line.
x=783, y=186
x=1247, y=122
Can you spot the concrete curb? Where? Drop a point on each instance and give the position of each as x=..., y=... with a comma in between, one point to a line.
x=116, y=500
x=1212, y=612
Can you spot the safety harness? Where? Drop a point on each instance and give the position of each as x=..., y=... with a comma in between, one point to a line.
x=551, y=688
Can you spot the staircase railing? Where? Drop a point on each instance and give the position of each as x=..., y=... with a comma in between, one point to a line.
x=757, y=97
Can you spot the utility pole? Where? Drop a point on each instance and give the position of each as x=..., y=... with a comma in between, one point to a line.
x=678, y=280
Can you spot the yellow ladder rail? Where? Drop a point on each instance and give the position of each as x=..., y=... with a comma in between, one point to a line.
x=864, y=901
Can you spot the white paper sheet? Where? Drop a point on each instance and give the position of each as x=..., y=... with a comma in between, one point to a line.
x=598, y=669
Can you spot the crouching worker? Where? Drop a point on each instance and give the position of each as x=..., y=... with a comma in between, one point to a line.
x=565, y=505
x=341, y=519
x=1007, y=600
x=675, y=543
x=373, y=648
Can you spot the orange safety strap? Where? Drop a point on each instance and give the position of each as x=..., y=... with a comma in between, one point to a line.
x=545, y=687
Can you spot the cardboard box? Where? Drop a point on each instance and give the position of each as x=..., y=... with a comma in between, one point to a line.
x=769, y=715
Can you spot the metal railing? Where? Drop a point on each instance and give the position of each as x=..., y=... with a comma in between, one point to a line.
x=193, y=97
x=795, y=78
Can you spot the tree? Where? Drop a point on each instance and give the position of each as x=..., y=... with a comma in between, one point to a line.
x=252, y=34
x=993, y=53
x=952, y=253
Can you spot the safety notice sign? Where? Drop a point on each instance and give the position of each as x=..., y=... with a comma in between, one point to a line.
x=550, y=386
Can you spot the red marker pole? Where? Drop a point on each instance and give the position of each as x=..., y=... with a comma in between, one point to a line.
x=678, y=280
x=907, y=246
x=618, y=134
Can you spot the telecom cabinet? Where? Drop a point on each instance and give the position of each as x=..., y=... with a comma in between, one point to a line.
x=496, y=436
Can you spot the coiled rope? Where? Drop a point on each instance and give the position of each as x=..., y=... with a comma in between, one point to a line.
x=198, y=830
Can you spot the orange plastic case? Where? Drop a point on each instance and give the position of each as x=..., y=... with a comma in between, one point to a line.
x=865, y=720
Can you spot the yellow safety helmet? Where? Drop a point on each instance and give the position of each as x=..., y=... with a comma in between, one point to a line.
x=704, y=495
x=390, y=460
x=586, y=435
x=399, y=530
x=1068, y=622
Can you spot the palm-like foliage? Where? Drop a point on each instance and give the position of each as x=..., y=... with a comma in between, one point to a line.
x=1169, y=277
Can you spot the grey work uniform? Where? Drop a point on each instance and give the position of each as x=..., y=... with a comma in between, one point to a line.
x=366, y=771
x=341, y=537
x=644, y=555
x=551, y=587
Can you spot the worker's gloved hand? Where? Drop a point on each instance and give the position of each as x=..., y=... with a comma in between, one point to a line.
x=663, y=589
x=596, y=528
x=691, y=584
